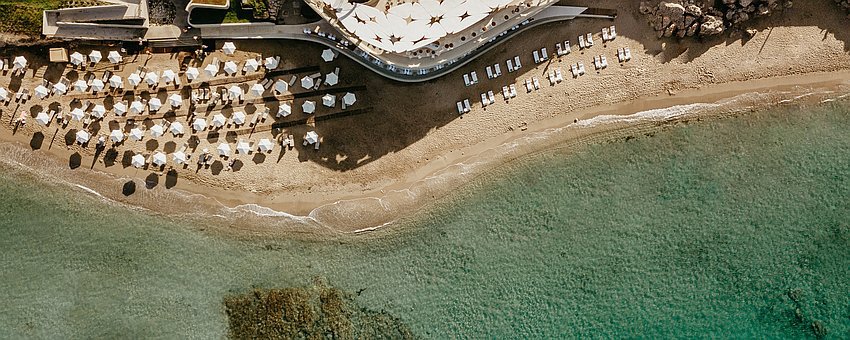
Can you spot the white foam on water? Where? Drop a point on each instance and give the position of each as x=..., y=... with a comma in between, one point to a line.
x=649, y=115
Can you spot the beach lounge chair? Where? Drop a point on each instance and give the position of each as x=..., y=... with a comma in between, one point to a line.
x=492, y=96
x=620, y=56
x=559, y=50
x=466, y=106
x=567, y=48
x=574, y=70
x=596, y=62
x=510, y=65
x=589, y=40
x=484, y=100
x=559, y=77
x=552, y=80
x=536, y=83
x=628, y=53
x=544, y=55
x=581, y=43
x=612, y=32
x=528, y=86
x=603, y=61
x=581, y=69
x=497, y=70
x=604, y=34
x=489, y=72
x=536, y=57
x=474, y=77
x=513, y=91
x=466, y=80
x=506, y=93
x=459, y=108
x=517, y=64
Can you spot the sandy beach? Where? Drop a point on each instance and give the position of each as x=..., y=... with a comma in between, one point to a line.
x=407, y=146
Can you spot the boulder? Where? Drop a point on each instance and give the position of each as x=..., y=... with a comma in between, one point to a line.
x=711, y=25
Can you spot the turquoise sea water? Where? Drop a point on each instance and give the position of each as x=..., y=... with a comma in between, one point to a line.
x=733, y=228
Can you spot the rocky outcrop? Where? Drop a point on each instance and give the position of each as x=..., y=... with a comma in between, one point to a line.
x=683, y=18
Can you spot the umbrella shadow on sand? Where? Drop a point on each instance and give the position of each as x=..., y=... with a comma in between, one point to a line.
x=170, y=179
x=129, y=188
x=37, y=140
x=75, y=160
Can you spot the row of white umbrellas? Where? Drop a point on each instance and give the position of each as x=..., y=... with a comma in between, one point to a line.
x=95, y=56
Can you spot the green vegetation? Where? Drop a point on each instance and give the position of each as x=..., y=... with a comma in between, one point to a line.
x=312, y=312
x=235, y=14
x=24, y=16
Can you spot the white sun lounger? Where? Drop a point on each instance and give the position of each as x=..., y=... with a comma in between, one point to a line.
x=544, y=55
x=551, y=77
x=536, y=57
x=528, y=86
x=620, y=55
x=628, y=53
x=604, y=34
x=459, y=108
x=492, y=97
x=559, y=50
x=466, y=106
x=581, y=43
x=497, y=69
x=489, y=72
x=513, y=91
x=596, y=63
x=574, y=69
x=510, y=66
x=603, y=61
x=559, y=77
x=612, y=32
x=581, y=69
x=466, y=79
x=474, y=77
x=506, y=93
x=484, y=100
x=567, y=48
x=589, y=40
x=536, y=83
x=517, y=64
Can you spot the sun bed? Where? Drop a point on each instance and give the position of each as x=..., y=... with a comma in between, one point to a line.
x=620, y=55
x=536, y=57
x=459, y=108
x=510, y=66
x=604, y=61
x=604, y=34
x=559, y=77
x=474, y=77
x=536, y=83
x=612, y=32
x=466, y=106
x=559, y=49
x=544, y=55
x=492, y=96
x=628, y=53
x=581, y=69
x=484, y=100
x=497, y=69
x=551, y=76
x=567, y=48
x=513, y=91
x=581, y=43
x=489, y=72
x=517, y=64
x=506, y=93
x=466, y=80
x=574, y=70
x=589, y=40
x=528, y=86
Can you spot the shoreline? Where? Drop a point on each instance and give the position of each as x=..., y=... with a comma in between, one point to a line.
x=434, y=181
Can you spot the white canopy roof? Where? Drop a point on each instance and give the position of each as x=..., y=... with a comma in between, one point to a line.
x=83, y=136
x=329, y=100
x=265, y=145
x=95, y=56
x=81, y=85
x=116, y=136
x=41, y=92
x=257, y=90
x=228, y=48
x=175, y=100
x=42, y=118
x=331, y=79
x=192, y=73
x=116, y=81
x=120, y=108
x=179, y=157
x=307, y=82
x=243, y=147
x=309, y=106
x=235, y=92
x=219, y=120
x=97, y=85
x=156, y=131
x=230, y=67
x=199, y=124
x=271, y=63
x=19, y=63
x=154, y=104
x=136, y=134
x=134, y=79
x=223, y=149
x=281, y=86
x=284, y=110
x=168, y=76
x=98, y=111
x=152, y=78
x=312, y=137
x=77, y=114
x=77, y=58
x=136, y=107
x=114, y=57
x=60, y=88
x=251, y=65
x=4, y=94
x=349, y=99
x=176, y=128
x=138, y=160
x=238, y=118
x=211, y=70
x=328, y=55
x=159, y=158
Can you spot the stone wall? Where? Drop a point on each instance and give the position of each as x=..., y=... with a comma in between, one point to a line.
x=683, y=18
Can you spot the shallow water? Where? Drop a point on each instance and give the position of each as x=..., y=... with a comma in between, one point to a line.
x=705, y=229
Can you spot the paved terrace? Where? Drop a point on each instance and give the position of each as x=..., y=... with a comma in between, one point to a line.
x=394, y=66
x=86, y=22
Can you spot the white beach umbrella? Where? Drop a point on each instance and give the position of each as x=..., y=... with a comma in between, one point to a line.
x=97, y=85
x=159, y=159
x=168, y=76
x=309, y=106
x=219, y=120
x=116, y=82
x=134, y=79
x=138, y=160
x=211, y=70
x=265, y=145
x=136, y=134
x=95, y=56
x=175, y=100
x=176, y=129
x=77, y=58
x=98, y=111
x=328, y=55
x=238, y=118
x=152, y=78
x=284, y=110
x=136, y=107
x=257, y=90
x=281, y=86
x=42, y=118
x=114, y=57
x=179, y=157
x=349, y=99
x=60, y=88
x=307, y=82
x=83, y=136
x=77, y=114
x=41, y=92
x=116, y=136
x=154, y=104
x=19, y=63
x=230, y=67
x=235, y=92
x=228, y=48
x=192, y=73
x=271, y=63
x=251, y=65
x=331, y=79
x=199, y=124
x=119, y=108
x=223, y=149
x=329, y=100
x=243, y=147
x=312, y=137
x=4, y=94
x=81, y=85
x=156, y=131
